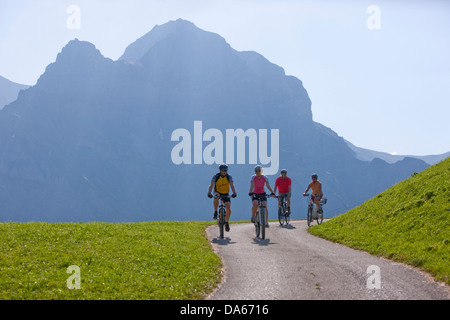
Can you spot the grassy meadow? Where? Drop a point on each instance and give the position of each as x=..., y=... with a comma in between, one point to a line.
x=148, y=260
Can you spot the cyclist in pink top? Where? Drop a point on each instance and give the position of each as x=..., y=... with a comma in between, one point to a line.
x=257, y=190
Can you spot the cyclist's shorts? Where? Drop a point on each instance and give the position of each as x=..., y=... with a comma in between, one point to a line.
x=281, y=196
x=257, y=196
x=224, y=196
x=314, y=196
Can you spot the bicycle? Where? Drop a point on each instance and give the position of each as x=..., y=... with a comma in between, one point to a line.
x=312, y=213
x=221, y=219
x=283, y=214
x=260, y=216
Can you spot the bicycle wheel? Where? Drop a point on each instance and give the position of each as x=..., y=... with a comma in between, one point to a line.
x=281, y=215
x=287, y=217
x=263, y=223
x=221, y=221
x=309, y=216
x=320, y=217
x=257, y=225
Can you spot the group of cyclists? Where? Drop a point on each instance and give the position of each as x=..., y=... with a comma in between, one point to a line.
x=221, y=182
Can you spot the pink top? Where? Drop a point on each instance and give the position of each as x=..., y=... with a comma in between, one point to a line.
x=259, y=183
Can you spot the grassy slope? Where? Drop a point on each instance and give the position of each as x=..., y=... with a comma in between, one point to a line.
x=151, y=260
x=409, y=222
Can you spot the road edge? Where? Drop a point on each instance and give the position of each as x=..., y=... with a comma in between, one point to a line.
x=215, y=249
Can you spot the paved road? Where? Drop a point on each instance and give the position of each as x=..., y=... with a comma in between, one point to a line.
x=292, y=264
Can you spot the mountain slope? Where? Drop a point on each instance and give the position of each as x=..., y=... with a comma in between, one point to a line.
x=94, y=139
x=409, y=222
x=9, y=91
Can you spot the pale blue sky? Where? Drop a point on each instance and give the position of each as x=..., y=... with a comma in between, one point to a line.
x=385, y=89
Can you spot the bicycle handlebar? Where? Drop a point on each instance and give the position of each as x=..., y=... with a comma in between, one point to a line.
x=215, y=196
x=322, y=201
x=261, y=194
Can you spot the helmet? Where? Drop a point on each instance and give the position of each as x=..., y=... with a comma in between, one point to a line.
x=284, y=171
x=314, y=175
x=223, y=167
x=258, y=167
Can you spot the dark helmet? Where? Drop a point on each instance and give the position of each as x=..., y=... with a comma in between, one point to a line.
x=283, y=171
x=223, y=167
x=314, y=175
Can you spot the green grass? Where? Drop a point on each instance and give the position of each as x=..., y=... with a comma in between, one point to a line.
x=149, y=260
x=409, y=223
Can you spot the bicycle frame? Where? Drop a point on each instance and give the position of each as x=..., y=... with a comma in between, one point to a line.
x=260, y=218
x=309, y=214
x=282, y=210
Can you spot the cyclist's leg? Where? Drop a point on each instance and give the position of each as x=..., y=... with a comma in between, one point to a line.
x=282, y=198
x=316, y=200
x=288, y=203
x=228, y=209
x=254, y=208
x=264, y=203
x=319, y=208
x=227, y=213
x=216, y=205
x=280, y=201
x=216, y=201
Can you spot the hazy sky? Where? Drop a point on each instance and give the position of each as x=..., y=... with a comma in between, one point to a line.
x=377, y=72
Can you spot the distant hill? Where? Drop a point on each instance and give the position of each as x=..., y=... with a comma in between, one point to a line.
x=369, y=155
x=139, y=138
x=9, y=91
x=409, y=222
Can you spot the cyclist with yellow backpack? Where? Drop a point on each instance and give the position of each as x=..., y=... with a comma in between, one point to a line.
x=221, y=182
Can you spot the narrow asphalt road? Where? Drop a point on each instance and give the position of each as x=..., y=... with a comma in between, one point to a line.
x=293, y=264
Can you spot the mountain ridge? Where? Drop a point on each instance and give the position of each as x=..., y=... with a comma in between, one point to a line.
x=9, y=91
x=368, y=155
x=142, y=45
